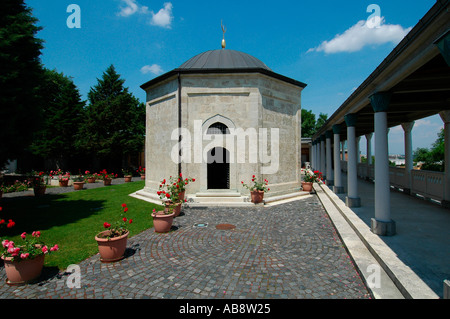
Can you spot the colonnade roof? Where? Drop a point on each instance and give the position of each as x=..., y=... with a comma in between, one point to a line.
x=416, y=74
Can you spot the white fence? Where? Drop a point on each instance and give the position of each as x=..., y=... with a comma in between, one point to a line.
x=428, y=184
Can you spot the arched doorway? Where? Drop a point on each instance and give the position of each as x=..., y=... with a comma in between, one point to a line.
x=218, y=168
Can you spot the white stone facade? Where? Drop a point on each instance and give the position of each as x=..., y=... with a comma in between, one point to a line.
x=245, y=101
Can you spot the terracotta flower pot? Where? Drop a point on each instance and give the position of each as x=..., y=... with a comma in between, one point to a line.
x=91, y=180
x=20, y=272
x=107, y=181
x=142, y=176
x=63, y=183
x=112, y=249
x=162, y=222
x=127, y=178
x=39, y=190
x=307, y=186
x=181, y=195
x=78, y=185
x=176, y=209
x=257, y=196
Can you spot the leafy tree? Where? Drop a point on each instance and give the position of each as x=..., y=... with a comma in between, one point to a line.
x=309, y=123
x=321, y=120
x=63, y=112
x=115, y=122
x=433, y=158
x=21, y=73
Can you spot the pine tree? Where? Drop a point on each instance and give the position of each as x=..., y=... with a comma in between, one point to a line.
x=63, y=112
x=20, y=75
x=115, y=122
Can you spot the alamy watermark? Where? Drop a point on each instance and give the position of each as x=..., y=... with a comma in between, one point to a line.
x=74, y=20
x=239, y=146
x=374, y=20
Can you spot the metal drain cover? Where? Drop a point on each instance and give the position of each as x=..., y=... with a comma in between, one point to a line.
x=201, y=225
x=225, y=226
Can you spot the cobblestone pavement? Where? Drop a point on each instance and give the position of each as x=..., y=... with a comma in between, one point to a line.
x=285, y=251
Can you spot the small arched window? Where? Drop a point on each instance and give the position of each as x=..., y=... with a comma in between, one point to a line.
x=218, y=128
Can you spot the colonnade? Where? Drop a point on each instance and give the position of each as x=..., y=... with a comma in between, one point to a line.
x=326, y=158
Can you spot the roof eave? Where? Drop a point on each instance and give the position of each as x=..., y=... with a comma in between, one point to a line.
x=169, y=74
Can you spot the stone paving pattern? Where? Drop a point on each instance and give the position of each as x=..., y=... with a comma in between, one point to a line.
x=286, y=251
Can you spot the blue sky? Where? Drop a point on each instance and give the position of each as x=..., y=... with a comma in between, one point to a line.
x=316, y=42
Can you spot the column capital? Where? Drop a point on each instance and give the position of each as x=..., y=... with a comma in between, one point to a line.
x=337, y=128
x=445, y=116
x=407, y=127
x=443, y=44
x=322, y=138
x=380, y=101
x=351, y=119
x=369, y=136
x=329, y=134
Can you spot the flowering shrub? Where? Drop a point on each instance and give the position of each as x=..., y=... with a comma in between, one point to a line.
x=169, y=191
x=141, y=170
x=61, y=175
x=38, y=179
x=30, y=247
x=78, y=178
x=10, y=223
x=105, y=175
x=257, y=185
x=315, y=177
x=16, y=187
x=126, y=172
x=119, y=228
x=88, y=174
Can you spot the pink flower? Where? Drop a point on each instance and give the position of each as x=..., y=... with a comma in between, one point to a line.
x=106, y=225
x=54, y=248
x=16, y=252
x=24, y=256
x=36, y=233
x=23, y=235
x=5, y=243
x=45, y=249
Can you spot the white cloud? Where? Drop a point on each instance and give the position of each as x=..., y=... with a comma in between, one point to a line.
x=361, y=35
x=164, y=16
x=154, y=69
x=129, y=8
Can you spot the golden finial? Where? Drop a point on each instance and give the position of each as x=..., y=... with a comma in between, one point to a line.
x=223, y=30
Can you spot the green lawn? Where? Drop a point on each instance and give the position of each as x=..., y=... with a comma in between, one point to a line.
x=72, y=220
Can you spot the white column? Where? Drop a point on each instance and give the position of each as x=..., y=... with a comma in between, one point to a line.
x=322, y=155
x=352, y=199
x=445, y=116
x=369, y=148
x=407, y=128
x=337, y=188
x=313, y=157
x=319, y=155
x=343, y=151
x=382, y=224
x=329, y=159
x=358, y=149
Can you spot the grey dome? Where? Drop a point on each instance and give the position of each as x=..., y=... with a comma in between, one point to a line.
x=223, y=59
